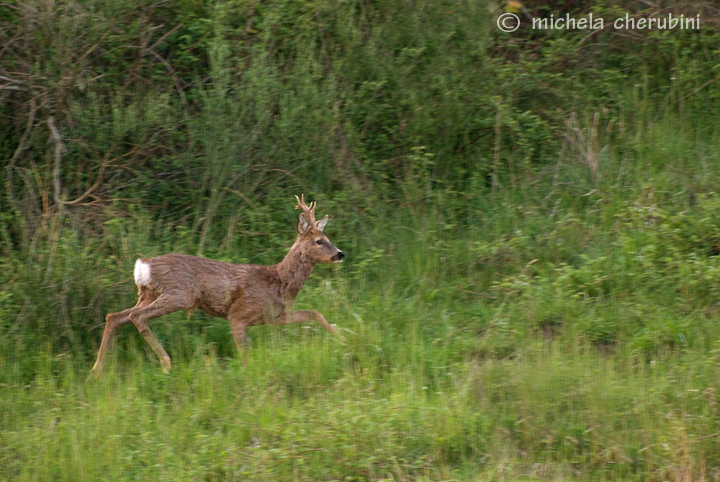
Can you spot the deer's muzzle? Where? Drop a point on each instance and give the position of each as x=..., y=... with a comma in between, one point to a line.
x=338, y=258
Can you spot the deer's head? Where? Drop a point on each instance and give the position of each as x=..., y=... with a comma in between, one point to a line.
x=315, y=244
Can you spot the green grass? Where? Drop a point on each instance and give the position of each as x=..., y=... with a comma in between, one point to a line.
x=312, y=409
x=519, y=389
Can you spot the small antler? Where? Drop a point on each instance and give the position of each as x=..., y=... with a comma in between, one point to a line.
x=309, y=211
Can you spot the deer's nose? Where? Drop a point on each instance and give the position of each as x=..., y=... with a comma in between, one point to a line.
x=339, y=257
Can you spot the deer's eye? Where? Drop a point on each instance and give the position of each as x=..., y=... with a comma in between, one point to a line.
x=319, y=242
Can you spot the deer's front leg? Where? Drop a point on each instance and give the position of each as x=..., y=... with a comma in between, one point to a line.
x=240, y=317
x=301, y=316
x=239, y=331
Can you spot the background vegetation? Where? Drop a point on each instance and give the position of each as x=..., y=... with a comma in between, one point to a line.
x=531, y=222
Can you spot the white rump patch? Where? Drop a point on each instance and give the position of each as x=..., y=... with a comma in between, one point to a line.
x=142, y=273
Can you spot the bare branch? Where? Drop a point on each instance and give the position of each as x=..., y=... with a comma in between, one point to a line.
x=89, y=190
x=164, y=36
x=57, y=171
x=174, y=76
x=251, y=15
x=18, y=151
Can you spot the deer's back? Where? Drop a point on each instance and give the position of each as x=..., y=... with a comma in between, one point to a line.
x=210, y=285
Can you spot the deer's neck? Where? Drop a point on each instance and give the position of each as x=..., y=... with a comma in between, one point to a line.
x=293, y=271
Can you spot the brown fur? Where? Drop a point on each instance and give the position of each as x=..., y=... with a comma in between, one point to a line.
x=243, y=294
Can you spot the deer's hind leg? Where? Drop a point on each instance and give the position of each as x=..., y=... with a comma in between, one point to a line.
x=165, y=304
x=113, y=321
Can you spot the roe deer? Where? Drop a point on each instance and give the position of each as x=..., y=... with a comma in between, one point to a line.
x=243, y=294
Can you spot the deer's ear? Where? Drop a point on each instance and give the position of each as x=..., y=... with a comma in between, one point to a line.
x=302, y=225
x=321, y=224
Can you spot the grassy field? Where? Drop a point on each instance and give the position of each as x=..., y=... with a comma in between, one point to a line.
x=593, y=355
x=316, y=412
x=397, y=401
